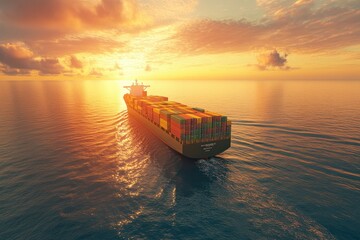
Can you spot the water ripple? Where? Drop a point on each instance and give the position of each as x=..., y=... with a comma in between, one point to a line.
x=76, y=166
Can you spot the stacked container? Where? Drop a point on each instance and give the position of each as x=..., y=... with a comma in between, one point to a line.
x=186, y=124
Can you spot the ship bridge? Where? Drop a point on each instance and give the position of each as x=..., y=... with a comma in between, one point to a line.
x=137, y=90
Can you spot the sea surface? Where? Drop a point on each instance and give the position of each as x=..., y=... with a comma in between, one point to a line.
x=74, y=165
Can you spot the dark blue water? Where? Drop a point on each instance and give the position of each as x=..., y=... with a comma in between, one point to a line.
x=73, y=165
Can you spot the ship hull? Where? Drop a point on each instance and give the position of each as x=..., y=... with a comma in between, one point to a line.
x=192, y=150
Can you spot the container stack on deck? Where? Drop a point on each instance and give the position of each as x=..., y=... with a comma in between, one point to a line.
x=186, y=124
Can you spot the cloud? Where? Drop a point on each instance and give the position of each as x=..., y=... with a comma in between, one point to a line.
x=209, y=36
x=271, y=7
x=117, y=68
x=16, y=56
x=18, y=59
x=14, y=71
x=301, y=27
x=69, y=15
x=59, y=28
x=163, y=11
x=96, y=73
x=148, y=68
x=49, y=66
x=75, y=62
x=76, y=44
x=272, y=60
x=27, y=21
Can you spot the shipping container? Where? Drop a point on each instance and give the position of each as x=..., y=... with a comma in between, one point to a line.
x=192, y=131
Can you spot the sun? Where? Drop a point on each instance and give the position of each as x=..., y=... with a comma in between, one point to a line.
x=132, y=65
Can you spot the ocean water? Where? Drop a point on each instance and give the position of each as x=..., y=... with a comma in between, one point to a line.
x=73, y=165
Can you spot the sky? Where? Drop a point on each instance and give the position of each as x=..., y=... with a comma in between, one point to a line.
x=180, y=39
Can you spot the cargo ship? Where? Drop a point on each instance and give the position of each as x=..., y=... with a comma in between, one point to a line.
x=191, y=131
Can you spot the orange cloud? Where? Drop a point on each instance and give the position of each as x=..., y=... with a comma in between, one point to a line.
x=209, y=36
x=68, y=14
x=16, y=56
x=300, y=28
x=14, y=71
x=49, y=66
x=58, y=28
x=96, y=73
x=74, y=45
x=272, y=60
x=75, y=63
x=18, y=59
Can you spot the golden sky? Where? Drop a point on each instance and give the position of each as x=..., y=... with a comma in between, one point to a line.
x=179, y=39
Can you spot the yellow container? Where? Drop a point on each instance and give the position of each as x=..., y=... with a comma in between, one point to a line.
x=198, y=119
x=158, y=109
x=163, y=123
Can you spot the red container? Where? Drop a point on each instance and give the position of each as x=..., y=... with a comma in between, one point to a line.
x=156, y=118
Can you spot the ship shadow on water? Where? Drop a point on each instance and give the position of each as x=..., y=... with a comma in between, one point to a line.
x=189, y=176
x=199, y=176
